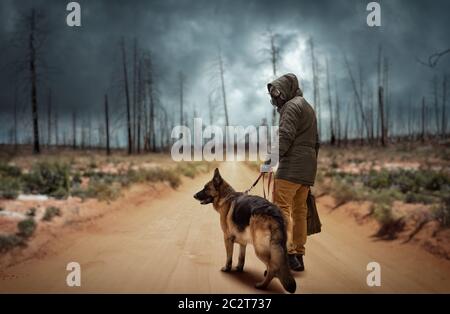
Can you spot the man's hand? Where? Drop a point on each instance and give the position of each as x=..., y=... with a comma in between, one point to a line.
x=265, y=168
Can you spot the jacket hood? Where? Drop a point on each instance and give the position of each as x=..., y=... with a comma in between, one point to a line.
x=287, y=85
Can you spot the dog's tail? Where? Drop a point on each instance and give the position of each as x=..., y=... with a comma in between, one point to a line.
x=278, y=257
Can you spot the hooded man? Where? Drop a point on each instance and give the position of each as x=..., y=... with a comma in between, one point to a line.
x=298, y=151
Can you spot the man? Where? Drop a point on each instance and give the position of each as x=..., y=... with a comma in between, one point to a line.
x=298, y=150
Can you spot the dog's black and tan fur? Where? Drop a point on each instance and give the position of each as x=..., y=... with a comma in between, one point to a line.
x=250, y=219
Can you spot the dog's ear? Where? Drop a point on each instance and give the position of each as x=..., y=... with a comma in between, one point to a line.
x=217, y=179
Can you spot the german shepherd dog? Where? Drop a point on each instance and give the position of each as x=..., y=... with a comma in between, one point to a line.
x=250, y=219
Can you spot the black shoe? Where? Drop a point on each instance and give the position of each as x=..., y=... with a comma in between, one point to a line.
x=294, y=264
x=300, y=261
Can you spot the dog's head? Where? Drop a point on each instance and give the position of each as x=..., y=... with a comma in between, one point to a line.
x=210, y=190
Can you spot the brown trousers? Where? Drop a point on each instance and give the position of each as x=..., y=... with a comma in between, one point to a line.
x=291, y=198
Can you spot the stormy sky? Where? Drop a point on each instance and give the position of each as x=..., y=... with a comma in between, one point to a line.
x=83, y=63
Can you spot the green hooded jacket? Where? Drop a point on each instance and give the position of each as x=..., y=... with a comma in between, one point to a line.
x=298, y=136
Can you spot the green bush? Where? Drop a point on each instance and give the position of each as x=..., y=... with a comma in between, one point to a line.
x=9, y=171
x=103, y=191
x=413, y=198
x=76, y=179
x=382, y=212
x=10, y=187
x=31, y=212
x=163, y=175
x=442, y=212
x=386, y=196
x=51, y=212
x=80, y=192
x=48, y=178
x=188, y=170
x=378, y=179
x=26, y=227
x=344, y=192
x=8, y=242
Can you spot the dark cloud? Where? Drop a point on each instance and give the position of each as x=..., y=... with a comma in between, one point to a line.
x=185, y=35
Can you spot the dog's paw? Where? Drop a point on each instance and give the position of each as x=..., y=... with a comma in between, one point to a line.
x=226, y=269
x=240, y=268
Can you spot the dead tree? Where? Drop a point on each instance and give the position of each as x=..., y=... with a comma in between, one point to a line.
x=127, y=97
x=140, y=86
x=55, y=124
x=108, y=150
x=422, y=137
x=434, y=58
x=330, y=107
x=15, y=113
x=49, y=118
x=386, y=97
x=347, y=118
x=224, y=94
x=274, y=55
x=358, y=98
x=210, y=109
x=436, y=104
x=135, y=92
x=338, y=113
x=74, y=129
x=381, y=115
x=33, y=77
x=444, y=101
x=181, y=80
x=315, y=84
x=151, y=86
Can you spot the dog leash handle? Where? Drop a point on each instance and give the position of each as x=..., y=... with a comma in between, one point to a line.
x=255, y=183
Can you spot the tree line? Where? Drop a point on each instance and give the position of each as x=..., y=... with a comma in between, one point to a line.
x=369, y=109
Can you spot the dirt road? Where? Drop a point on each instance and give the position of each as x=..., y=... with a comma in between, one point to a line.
x=172, y=244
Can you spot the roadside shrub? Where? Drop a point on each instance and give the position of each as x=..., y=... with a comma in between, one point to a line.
x=9, y=171
x=79, y=192
x=163, y=175
x=103, y=191
x=386, y=196
x=378, y=179
x=51, y=212
x=412, y=198
x=344, y=192
x=10, y=187
x=188, y=170
x=382, y=212
x=436, y=181
x=442, y=212
x=8, y=242
x=31, y=212
x=76, y=179
x=26, y=227
x=47, y=178
x=60, y=193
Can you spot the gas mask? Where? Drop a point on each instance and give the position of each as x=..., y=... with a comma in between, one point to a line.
x=276, y=98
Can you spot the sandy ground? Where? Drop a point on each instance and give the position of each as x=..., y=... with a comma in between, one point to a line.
x=169, y=243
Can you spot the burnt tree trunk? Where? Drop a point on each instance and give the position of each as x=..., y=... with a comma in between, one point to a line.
x=127, y=97
x=33, y=76
x=74, y=129
x=108, y=149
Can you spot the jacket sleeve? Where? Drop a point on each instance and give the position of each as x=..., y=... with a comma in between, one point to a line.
x=288, y=127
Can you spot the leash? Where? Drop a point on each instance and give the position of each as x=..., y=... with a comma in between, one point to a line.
x=261, y=175
x=254, y=183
